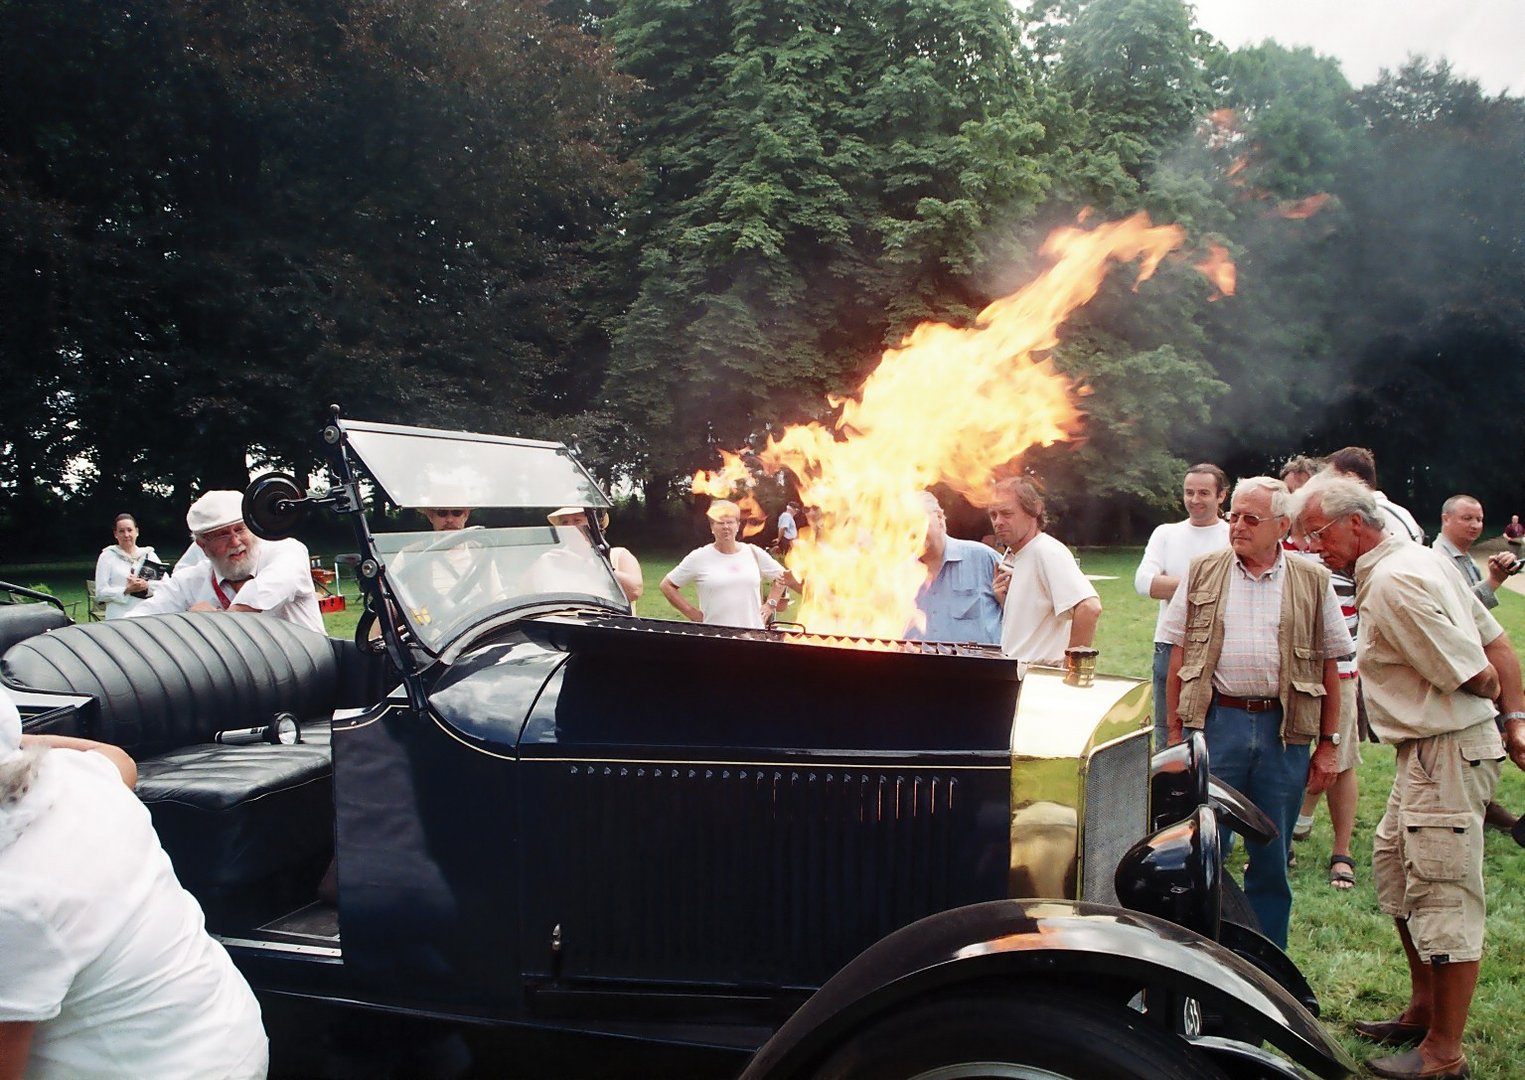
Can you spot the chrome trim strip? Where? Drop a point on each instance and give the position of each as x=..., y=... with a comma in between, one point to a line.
x=326, y=954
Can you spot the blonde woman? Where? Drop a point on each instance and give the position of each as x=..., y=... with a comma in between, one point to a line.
x=728, y=576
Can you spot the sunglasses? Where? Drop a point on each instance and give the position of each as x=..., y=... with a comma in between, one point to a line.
x=448, y=513
x=1252, y=520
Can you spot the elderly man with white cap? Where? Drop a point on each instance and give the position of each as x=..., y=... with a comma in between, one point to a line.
x=245, y=573
x=106, y=968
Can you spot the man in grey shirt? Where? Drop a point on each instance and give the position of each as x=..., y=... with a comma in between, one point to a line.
x=1461, y=523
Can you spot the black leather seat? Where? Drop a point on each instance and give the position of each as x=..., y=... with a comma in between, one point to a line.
x=163, y=685
x=21, y=621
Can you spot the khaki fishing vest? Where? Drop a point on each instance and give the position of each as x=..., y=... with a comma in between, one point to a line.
x=1304, y=584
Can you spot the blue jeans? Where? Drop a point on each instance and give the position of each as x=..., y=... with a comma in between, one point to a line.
x=1161, y=669
x=1246, y=751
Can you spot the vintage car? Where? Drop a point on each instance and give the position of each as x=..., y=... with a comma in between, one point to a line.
x=544, y=816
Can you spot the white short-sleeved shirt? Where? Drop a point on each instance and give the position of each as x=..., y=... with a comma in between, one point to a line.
x=102, y=948
x=281, y=586
x=1170, y=551
x=1046, y=584
x=728, y=585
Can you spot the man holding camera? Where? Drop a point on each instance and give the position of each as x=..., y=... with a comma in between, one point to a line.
x=1461, y=523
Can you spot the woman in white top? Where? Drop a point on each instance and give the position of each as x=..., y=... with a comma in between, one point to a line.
x=118, y=581
x=728, y=574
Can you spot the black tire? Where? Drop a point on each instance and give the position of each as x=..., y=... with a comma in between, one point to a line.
x=1031, y=1037
x=1236, y=906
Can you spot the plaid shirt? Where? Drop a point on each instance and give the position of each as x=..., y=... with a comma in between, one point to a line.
x=1250, y=663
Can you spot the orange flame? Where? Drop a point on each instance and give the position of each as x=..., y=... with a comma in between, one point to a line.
x=733, y=480
x=1219, y=270
x=1302, y=209
x=732, y=475
x=950, y=406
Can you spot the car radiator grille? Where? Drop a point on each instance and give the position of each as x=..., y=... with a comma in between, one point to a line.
x=739, y=874
x=1116, y=812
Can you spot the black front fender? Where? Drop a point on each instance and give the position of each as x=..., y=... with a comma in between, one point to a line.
x=1037, y=940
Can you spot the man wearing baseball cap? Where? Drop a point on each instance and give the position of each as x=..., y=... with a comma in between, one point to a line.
x=245, y=573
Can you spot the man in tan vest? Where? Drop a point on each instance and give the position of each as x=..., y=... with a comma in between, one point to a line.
x=1255, y=638
x=1435, y=669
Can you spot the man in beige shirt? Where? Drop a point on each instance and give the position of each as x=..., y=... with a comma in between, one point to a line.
x=1433, y=661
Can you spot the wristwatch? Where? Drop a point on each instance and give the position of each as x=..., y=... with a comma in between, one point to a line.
x=1333, y=738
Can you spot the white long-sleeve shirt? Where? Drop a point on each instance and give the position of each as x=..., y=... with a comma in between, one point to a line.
x=111, y=572
x=281, y=586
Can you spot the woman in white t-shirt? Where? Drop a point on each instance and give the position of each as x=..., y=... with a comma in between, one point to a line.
x=119, y=583
x=728, y=575
x=106, y=968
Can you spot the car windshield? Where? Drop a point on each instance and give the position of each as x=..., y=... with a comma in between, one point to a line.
x=420, y=467
x=449, y=580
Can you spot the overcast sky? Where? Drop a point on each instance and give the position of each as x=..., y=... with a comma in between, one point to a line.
x=1483, y=39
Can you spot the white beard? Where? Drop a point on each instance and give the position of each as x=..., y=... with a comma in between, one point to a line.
x=236, y=569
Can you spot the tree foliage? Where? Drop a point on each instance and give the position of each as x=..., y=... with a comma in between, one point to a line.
x=225, y=216
x=659, y=225
x=818, y=177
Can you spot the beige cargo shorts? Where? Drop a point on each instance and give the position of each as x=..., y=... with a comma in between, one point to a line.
x=1348, y=755
x=1427, y=858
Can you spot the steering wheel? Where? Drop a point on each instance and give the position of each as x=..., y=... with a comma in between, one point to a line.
x=467, y=579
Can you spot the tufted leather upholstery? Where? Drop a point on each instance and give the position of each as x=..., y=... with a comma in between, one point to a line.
x=163, y=684
x=167, y=681
x=18, y=621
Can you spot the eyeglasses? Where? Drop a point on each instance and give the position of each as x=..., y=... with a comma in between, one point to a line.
x=225, y=534
x=1312, y=535
x=1252, y=520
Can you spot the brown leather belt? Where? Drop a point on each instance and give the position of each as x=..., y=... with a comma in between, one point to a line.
x=1248, y=704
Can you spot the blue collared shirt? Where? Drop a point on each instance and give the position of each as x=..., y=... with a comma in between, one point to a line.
x=959, y=603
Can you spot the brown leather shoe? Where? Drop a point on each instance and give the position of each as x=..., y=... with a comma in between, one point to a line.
x=1390, y=1032
x=1410, y=1066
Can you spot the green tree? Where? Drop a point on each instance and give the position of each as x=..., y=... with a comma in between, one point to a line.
x=227, y=217
x=817, y=178
x=1429, y=334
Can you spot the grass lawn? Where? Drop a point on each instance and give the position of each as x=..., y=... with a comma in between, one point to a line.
x=1347, y=949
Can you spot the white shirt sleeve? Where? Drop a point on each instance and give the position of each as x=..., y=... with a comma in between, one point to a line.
x=1067, y=586
x=177, y=593
x=110, y=578
x=687, y=570
x=1153, y=562
x=1173, y=629
x=281, y=578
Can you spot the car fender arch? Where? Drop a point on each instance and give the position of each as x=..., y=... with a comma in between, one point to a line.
x=1022, y=940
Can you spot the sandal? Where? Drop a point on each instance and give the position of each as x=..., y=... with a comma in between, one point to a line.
x=1342, y=872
